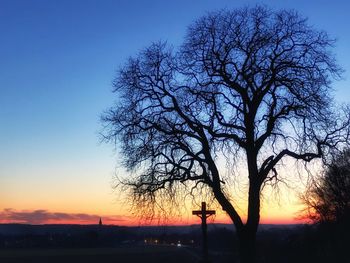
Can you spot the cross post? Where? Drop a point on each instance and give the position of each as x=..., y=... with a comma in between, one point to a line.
x=203, y=214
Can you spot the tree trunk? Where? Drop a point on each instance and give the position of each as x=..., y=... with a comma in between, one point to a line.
x=247, y=249
x=247, y=236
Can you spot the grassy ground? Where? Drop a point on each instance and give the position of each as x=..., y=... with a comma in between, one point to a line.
x=144, y=254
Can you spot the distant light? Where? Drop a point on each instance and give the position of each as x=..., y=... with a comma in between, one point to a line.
x=178, y=245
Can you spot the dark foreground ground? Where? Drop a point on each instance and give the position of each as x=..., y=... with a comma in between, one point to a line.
x=144, y=254
x=322, y=243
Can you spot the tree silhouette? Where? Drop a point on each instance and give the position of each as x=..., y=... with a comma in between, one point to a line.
x=250, y=84
x=328, y=198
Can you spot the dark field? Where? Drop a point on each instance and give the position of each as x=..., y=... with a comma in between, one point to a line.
x=112, y=244
x=135, y=254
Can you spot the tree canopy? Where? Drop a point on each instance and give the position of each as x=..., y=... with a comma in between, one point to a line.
x=250, y=82
x=328, y=197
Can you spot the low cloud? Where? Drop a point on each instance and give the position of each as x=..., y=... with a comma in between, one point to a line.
x=42, y=216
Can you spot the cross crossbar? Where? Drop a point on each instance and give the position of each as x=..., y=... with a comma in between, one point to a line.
x=200, y=212
x=203, y=212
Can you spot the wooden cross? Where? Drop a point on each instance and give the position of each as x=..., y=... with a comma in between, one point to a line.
x=204, y=214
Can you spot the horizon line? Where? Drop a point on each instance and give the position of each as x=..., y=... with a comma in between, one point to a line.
x=143, y=225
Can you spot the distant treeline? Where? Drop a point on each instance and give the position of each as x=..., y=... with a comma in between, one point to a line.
x=76, y=236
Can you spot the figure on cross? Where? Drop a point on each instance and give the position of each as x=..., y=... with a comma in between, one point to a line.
x=203, y=214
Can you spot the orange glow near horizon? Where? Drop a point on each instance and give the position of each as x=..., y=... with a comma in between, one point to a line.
x=38, y=217
x=136, y=222
x=35, y=203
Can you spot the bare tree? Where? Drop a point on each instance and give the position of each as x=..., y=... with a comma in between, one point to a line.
x=328, y=197
x=249, y=82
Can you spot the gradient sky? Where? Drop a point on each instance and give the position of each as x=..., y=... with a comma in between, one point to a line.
x=57, y=61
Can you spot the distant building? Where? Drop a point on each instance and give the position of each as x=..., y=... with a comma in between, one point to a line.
x=100, y=222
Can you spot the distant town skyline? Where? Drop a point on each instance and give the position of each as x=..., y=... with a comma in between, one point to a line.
x=57, y=63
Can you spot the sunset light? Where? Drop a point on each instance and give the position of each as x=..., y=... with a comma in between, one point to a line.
x=174, y=131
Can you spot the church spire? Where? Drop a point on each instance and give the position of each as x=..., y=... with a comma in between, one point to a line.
x=100, y=222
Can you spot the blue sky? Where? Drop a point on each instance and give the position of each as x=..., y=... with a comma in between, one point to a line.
x=57, y=61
